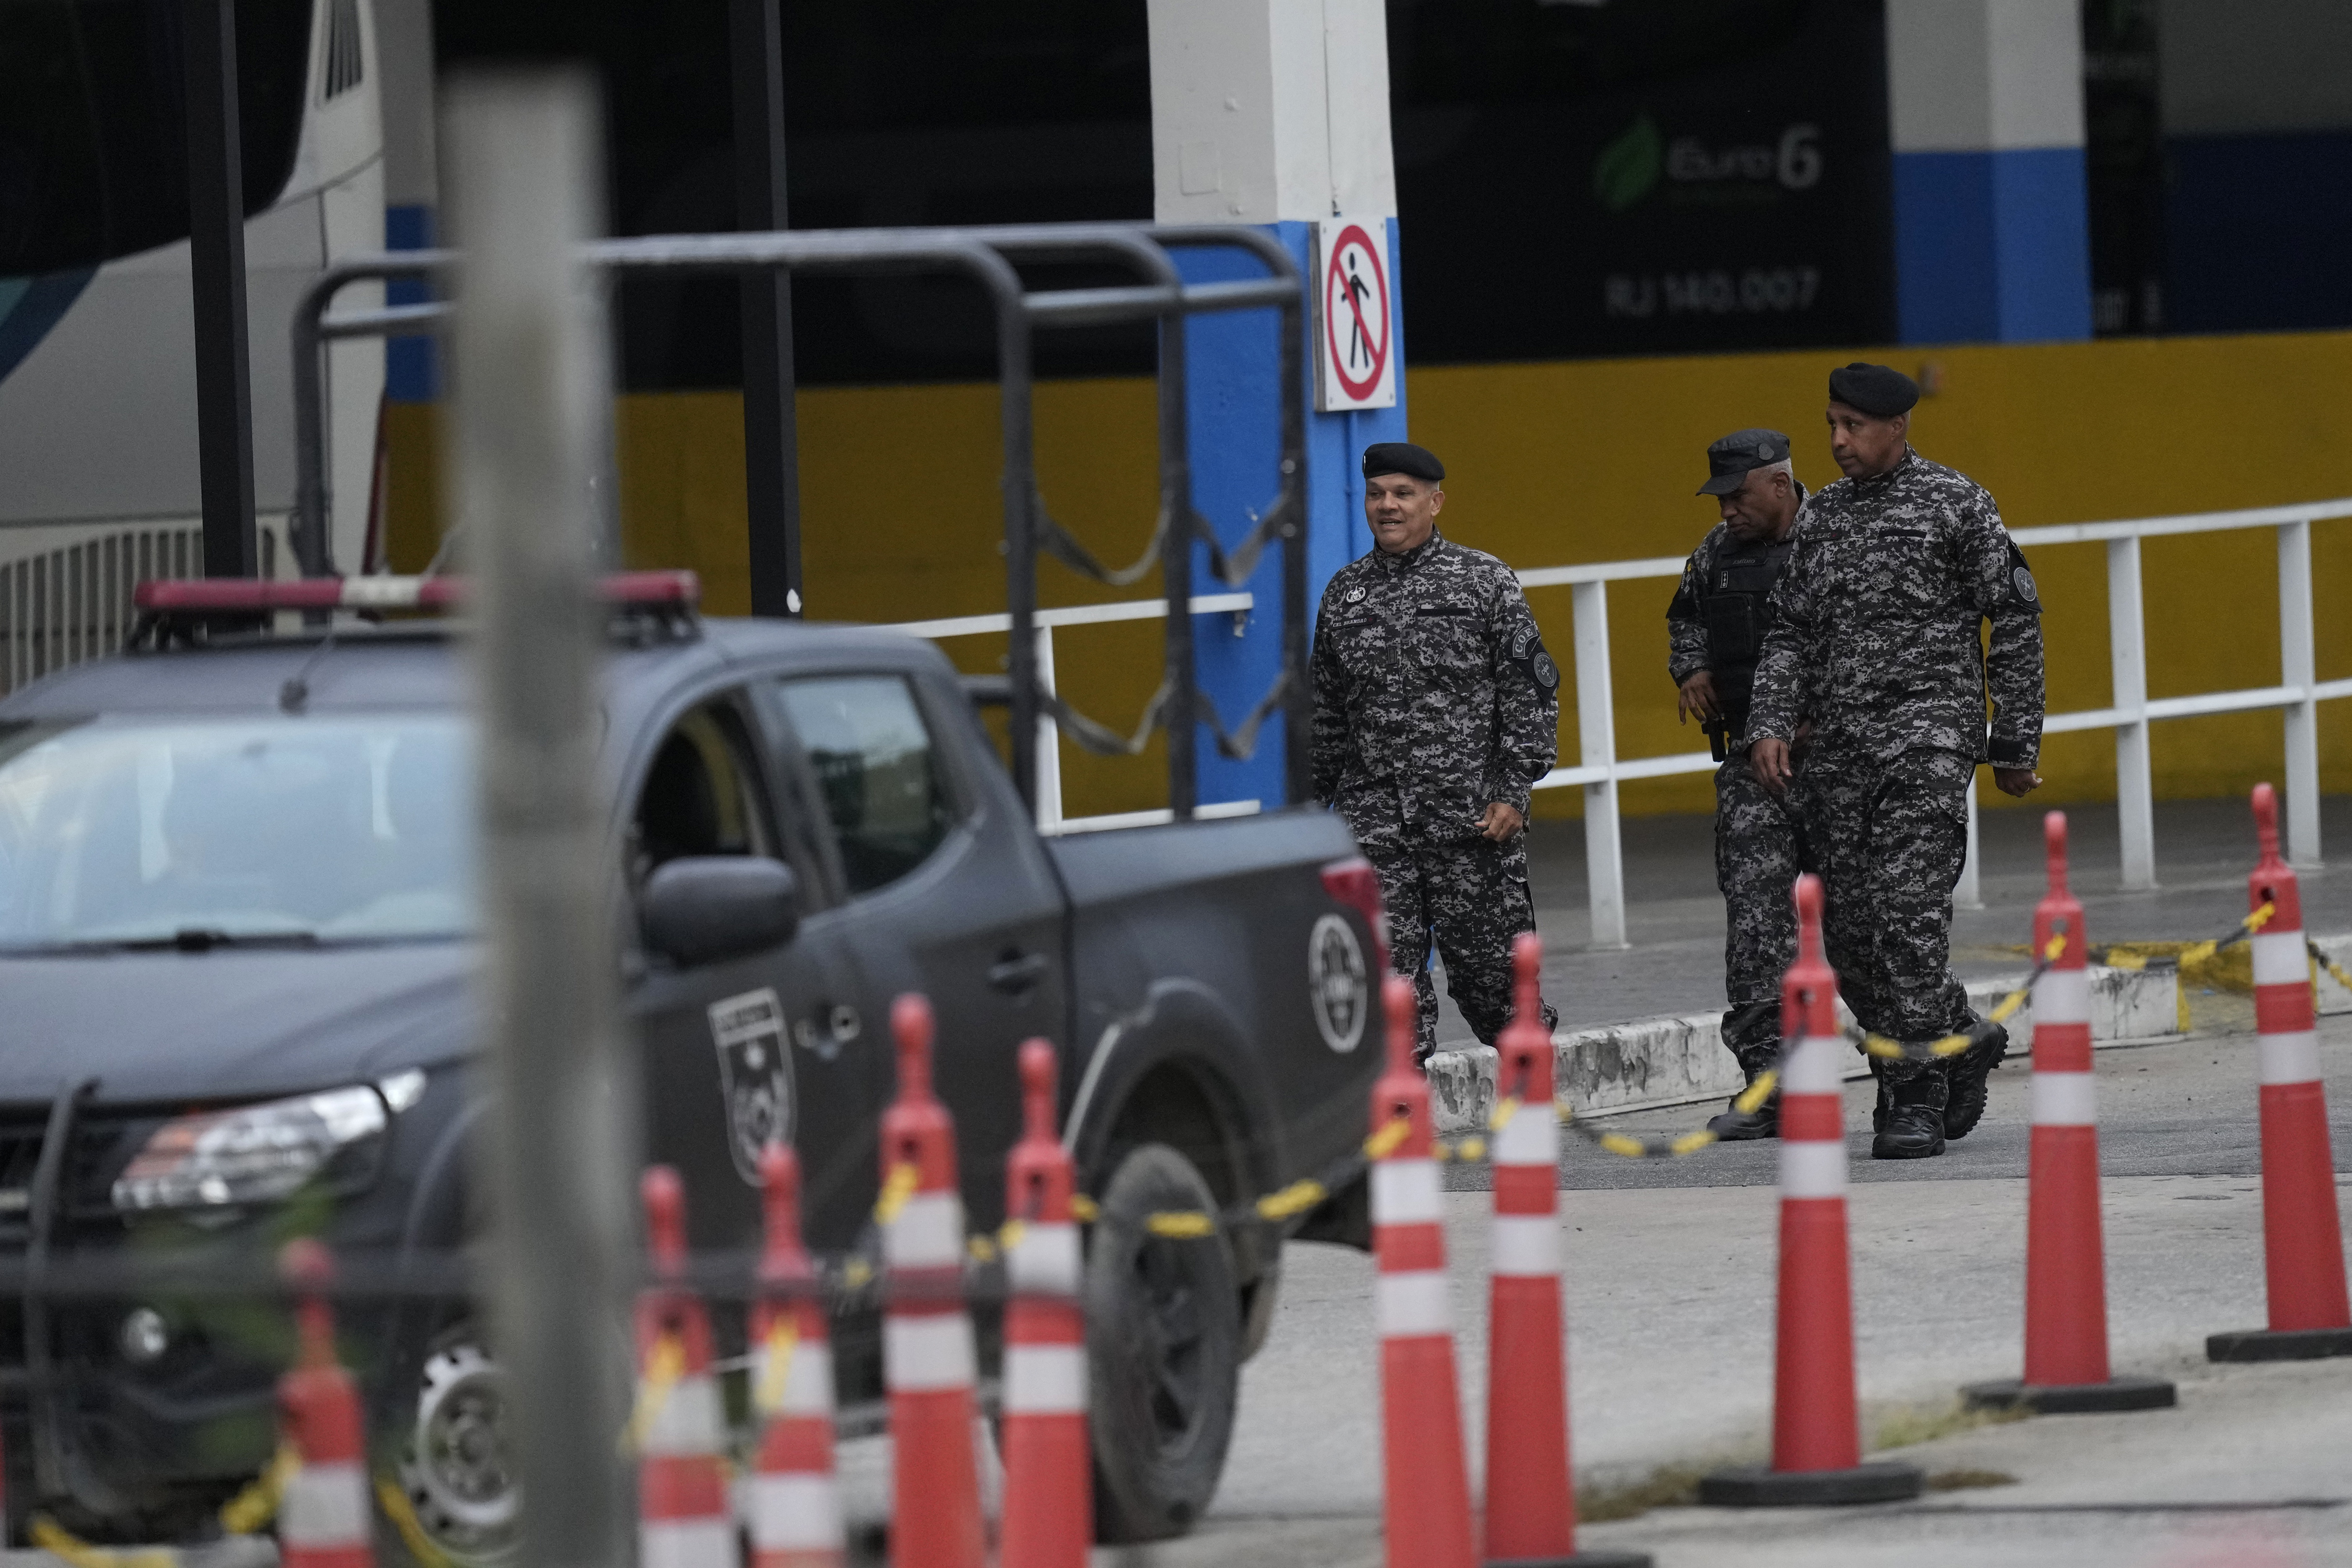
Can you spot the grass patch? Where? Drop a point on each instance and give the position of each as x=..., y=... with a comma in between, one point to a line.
x=1907, y=1424
x=1968, y=1480
x=1668, y=1486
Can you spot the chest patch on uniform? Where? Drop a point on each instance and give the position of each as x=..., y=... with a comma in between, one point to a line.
x=1352, y=596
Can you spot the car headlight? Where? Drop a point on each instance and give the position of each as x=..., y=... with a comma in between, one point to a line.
x=255, y=1153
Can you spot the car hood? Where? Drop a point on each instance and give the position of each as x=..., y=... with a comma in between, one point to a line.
x=227, y=1025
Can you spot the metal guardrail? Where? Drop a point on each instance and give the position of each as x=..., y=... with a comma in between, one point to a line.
x=1599, y=770
x=1049, y=748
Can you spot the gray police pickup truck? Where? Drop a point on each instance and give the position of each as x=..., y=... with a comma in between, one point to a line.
x=235, y=941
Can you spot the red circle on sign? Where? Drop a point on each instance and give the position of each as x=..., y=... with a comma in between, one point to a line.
x=1354, y=234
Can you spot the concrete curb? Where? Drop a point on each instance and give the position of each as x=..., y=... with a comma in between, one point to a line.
x=1673, y=1060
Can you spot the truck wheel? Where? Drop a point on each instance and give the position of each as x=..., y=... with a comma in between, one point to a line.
x=1163, y=1352
x=456, y=1461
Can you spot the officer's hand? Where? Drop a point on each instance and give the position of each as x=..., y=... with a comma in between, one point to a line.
x=1768, y=759
x=1697, y=699
x=1499, y=821
x=2016, y=780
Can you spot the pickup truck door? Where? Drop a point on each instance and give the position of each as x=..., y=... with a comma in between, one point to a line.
x=951, y=894
x=760, y=1047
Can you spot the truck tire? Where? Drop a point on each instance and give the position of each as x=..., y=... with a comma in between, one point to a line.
x=1163, y=1352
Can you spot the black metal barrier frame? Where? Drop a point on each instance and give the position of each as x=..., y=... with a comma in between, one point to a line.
x=986, y=255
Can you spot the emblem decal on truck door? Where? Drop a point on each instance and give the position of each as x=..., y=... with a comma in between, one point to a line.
x=755, y=1076
x=1335, y=980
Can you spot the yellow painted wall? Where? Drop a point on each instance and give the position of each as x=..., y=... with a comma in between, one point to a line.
x=1560, y=463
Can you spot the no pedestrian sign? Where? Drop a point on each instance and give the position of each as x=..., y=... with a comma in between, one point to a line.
x=1354, y=367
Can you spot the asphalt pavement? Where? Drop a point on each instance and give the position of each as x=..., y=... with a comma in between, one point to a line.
x=1670, y=1277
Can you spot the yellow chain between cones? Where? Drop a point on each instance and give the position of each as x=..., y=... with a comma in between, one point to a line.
x=245, y=1514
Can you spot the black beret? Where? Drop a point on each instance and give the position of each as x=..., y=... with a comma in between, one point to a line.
x=1402, y=457
x=1875, y=389
x=1730, y=461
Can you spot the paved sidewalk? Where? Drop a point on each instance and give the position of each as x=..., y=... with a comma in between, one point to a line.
x=1674, y=916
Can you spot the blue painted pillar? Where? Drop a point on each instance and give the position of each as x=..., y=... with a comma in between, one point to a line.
x=1991, y=223
x=1273, y=112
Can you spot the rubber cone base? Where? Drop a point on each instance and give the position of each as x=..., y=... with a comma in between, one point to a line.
x=2279, y=1344
x=2071, y=1398
x=1761, y=1485
x=1576, y=1559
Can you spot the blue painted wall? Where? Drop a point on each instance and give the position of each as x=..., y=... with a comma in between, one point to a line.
x=1235, y=411
x=410, y=374
x=1992, y=246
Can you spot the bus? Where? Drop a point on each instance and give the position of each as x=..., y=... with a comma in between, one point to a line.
x=99, y=473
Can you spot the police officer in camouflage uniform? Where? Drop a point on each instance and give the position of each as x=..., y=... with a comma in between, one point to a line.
x=1436, y=710
x=1893, y=569
x=1716, y=628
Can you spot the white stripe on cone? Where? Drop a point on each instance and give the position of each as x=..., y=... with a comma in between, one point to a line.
x=2280, y=959
x=808, y=1380
x=2291, y=1058
x=1405, y=1192
x=1414, y=1303
x=2063, y=1100
x=1815, y=1066
x=1046, y=1259
x=689, y=1421
x=927, y=1234
x=2063, y=996
x=929, y=1352
x=795, y=1513
x=324, y=1505
x=686, y=1542
x=1524, y=1245
x=1045, y=1379
x=1811, y=1169
x=1529, y=1137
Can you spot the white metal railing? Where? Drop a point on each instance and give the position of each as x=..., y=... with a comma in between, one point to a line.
x=2130, y=711
x=1049, y=749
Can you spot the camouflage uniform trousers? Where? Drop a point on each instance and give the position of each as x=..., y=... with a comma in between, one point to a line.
x=1890, y=836
x=1759, y=848
x=1470, y=896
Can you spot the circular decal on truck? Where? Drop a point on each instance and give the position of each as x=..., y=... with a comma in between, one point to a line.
x=1335, y=983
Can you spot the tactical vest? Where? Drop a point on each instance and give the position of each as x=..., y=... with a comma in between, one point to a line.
x=1732, y=608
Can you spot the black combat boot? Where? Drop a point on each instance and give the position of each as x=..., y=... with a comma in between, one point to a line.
x=1733, y=1125
x=1915, y=1125
x=1966, y=1105
x=1886, y=1096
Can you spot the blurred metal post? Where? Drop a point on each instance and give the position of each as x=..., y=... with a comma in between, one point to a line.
x=216, y=276
x=533, y=390
x=772, y=482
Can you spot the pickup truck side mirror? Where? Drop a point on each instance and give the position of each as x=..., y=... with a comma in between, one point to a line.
x=699, y=908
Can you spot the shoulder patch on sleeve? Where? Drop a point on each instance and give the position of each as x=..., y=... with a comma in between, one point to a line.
x=1529, y=656
x=2021, y=578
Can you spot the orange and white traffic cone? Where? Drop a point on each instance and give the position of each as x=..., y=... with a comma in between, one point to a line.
x=928, y=1359
x=323, y=1515
x=1048, y=1472
x=684, y=1519
x=2303, y=1240
x=1530, y=1490
x=1816, y=1426
x=2066, y=1366
x=795, y=1503
x=1425, y=1495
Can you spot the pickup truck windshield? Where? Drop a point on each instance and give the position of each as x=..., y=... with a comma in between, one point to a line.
x=200, y=833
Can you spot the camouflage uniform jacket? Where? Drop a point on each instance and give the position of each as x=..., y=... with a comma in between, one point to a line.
x=1434, y=695
x=1723, y=564
x=1876, y=623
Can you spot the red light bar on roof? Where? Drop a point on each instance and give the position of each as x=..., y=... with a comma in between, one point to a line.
x=258, y=595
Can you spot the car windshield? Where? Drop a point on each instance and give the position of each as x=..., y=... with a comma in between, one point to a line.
x=198, y=832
